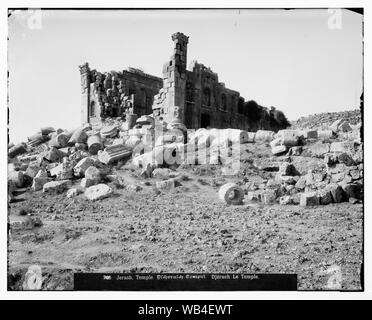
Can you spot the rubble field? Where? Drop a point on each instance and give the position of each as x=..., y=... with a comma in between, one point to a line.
x=95, y=204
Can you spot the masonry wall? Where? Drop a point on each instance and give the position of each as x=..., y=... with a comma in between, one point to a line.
x=113, y=94
x=195, y=97
x=192, y=96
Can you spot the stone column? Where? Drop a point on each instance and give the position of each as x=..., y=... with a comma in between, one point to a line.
x=85, y=92
x=177, y=79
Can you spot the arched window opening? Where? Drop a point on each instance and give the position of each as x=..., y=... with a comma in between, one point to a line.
x=207, y=96
x=233, y=104
x=189, y=92
x=223, y=102
x=92, y=109
x=144, y=97
x=241, y=106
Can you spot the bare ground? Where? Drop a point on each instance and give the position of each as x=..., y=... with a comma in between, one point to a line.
x=187, y=229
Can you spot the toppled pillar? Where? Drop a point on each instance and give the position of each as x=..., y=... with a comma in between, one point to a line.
x=78, y=136
x=17, y=150
x=46, y=130
x=109, y=131
x=231, y=193
x=59, y=140
x=37, y=139
x=264, y=136
x=94, y=143
x=114, y=153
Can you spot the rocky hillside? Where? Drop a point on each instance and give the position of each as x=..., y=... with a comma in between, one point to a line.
x=121, y=199
x=326, y=119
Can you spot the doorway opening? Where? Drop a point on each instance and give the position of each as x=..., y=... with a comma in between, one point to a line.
x=205, y=120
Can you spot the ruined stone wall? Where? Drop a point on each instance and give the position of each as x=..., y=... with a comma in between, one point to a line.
x=169, y=103
x=192, y=96
x=114, y=94
x=195, y=97
x=210, y=102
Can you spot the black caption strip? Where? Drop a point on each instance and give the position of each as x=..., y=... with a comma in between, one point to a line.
x=184, y=282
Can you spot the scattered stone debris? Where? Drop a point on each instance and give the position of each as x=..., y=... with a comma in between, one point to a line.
x=98, y=192
x=40, y=180
x=33, y=278
x=308, y=166
x=56, y=186
x=73, y=192
x=166, y=184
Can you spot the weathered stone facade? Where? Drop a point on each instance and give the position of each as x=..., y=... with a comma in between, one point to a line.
x=192, y=96
x=115, y=94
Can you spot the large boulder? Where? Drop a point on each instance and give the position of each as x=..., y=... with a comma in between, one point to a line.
x=288, y=138
x=83, y=165
x=92, y=175
x=78, y=136
x=325, y=197
x=284, y=200
x=311, y=134
x=57, y=186
x=40, y=179
x=33, y=279
x=309, y=199
x=269, y=196
x=276, y=142
x=326, y=135
x=163, y=173
x=54, y=155
x=62, y=171
x=264, y=136
x=234, y=135
x=319, y=149
x=301, y=183
x=160, y=156
x=166, y=184
x=278, y=150
x=341, y=125
x=73, y=192
x=132, y=142
x=346, y=159
x=354, y=190
x=17, y=150
x=287, y=169
x=98, y=192
x=60, y=140
x=349, y=147
x=17, y=178
x=109, y=131
x=338, y=194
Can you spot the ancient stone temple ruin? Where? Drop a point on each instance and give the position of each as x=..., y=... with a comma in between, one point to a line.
x=116, y=94
x=192, y=96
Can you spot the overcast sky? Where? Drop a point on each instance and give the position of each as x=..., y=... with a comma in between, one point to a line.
x=288, y=59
